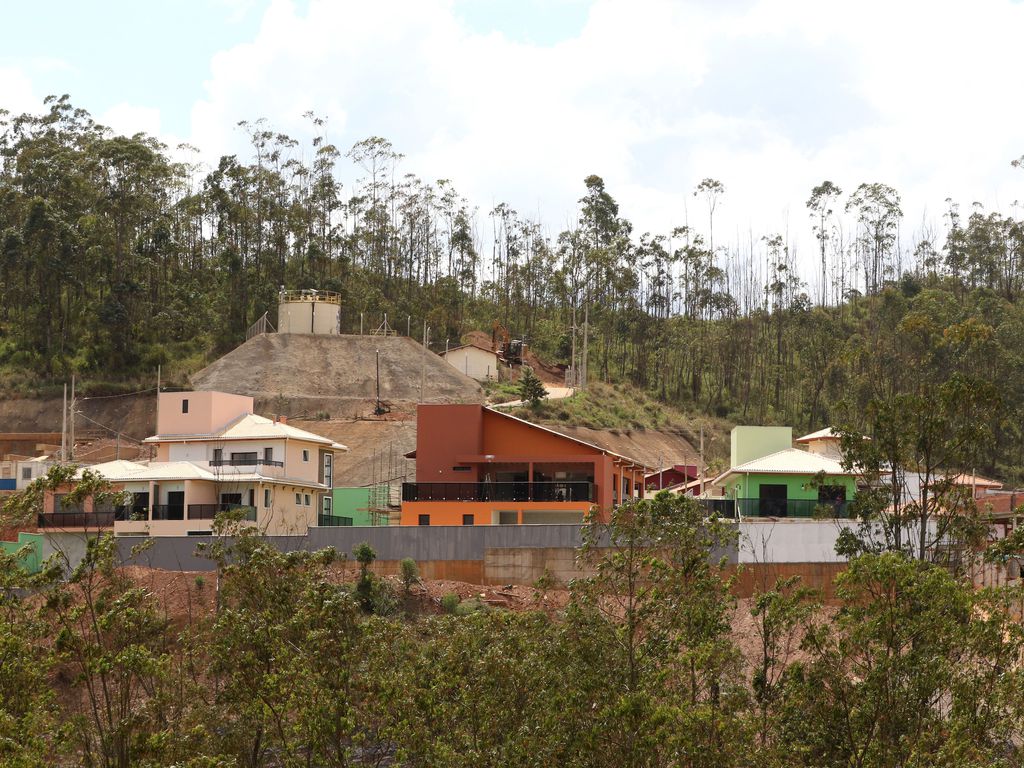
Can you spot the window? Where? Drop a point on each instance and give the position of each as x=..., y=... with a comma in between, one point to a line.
x=467, y=520
x=305, y=454
x=266, y=498
x=218, y=455
x=308, y=501
x=424, y=520
x=268, y=455
x=26, y=473
x=244, y=459
x=461, y=469
x=298, y=499
x=328, y=505
x=184, y=405
x=329, y=470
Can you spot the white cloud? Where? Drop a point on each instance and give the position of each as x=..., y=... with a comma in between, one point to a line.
x=769, y=96
x=129, y=119
x=16, y=94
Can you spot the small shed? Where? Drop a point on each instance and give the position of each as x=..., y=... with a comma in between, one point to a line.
x=473, y=360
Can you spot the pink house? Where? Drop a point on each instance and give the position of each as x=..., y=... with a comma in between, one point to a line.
x=211, y=454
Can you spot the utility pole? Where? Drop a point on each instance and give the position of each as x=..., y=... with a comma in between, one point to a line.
x=575, y=377
x=423, y=361
x=156, y=429
x=586, y=333
x=64, y=426
x=71, y=438
x=702, y=460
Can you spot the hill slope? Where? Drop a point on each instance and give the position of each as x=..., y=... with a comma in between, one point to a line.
x=336, y=374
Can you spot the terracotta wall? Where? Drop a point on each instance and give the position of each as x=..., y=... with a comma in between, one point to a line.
x=442, y=433
x=207, y=411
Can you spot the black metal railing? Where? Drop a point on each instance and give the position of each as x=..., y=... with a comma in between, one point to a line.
x=719, y=507
x=209, y=511
x=98, y=519
x=331, y=521
x=542, y=491
x=245, y=462
x=124, y=512
x=168, y=512
x=805, y=508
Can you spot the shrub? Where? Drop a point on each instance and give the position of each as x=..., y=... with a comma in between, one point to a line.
x=450, y=602
x=409, y=573
x=200, y=582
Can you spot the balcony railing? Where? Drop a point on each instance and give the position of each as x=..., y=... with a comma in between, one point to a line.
x=168, y=512
x=545, y=491
x=331, y=521
x=75, y=519
x=245, y=462
x=803, y=508
x=209, y=511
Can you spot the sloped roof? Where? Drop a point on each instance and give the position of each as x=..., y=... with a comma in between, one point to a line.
x=564, y=436
x=790, y=461
x=822, y=434
x=253, y=427
x=130, y=471
x=471, y=344
x=122, y=471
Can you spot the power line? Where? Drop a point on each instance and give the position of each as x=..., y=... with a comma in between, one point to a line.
x=124, y=394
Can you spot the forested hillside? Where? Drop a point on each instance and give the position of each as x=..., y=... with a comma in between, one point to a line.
x=117, y=257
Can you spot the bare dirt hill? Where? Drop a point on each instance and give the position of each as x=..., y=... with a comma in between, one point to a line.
x=652, y=447
x=549, y=373
x=375, y=448
x=302, y=373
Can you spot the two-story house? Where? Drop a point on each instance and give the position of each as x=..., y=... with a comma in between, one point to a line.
x=213, y=453
x=768, y=477
x=478, y=466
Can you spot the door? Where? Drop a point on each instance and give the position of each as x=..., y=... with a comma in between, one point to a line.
x=175, y=505
x=773, y=500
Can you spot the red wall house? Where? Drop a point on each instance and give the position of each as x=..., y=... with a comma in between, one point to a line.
x=477, y=466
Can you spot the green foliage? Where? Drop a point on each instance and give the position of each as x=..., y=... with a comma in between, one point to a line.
x=531, y=388
x=450, y=602
x=409, y=573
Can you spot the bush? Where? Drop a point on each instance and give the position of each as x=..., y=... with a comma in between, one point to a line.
x=473, y=605
x=450, y=602
x=409, y=573
x=200, y=582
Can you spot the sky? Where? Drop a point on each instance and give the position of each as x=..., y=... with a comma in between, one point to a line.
x=518, y=101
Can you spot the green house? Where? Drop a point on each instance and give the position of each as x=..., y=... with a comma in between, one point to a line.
x=354, y=506
x=30, y=547
x=768, y=477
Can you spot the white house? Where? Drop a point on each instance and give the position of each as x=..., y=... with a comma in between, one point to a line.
x=474, y=361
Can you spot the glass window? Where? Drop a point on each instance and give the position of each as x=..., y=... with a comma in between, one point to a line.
x=266, y=497
x=268, y=454
x=467, y=520
x=308, y=501
x=328, y=470
x=298, y=499
x=26, y=473
x=424, y=520
x=305, y=454
x=184, y=406
x=328, y=505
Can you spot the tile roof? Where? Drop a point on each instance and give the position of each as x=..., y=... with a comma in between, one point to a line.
x=790, y=461
x=122, y=471
x=822, y=434
x=253, y=427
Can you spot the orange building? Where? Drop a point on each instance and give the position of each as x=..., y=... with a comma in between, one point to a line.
x=477, y=466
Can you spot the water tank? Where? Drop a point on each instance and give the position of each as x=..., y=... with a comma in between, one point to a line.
x=309, y=311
